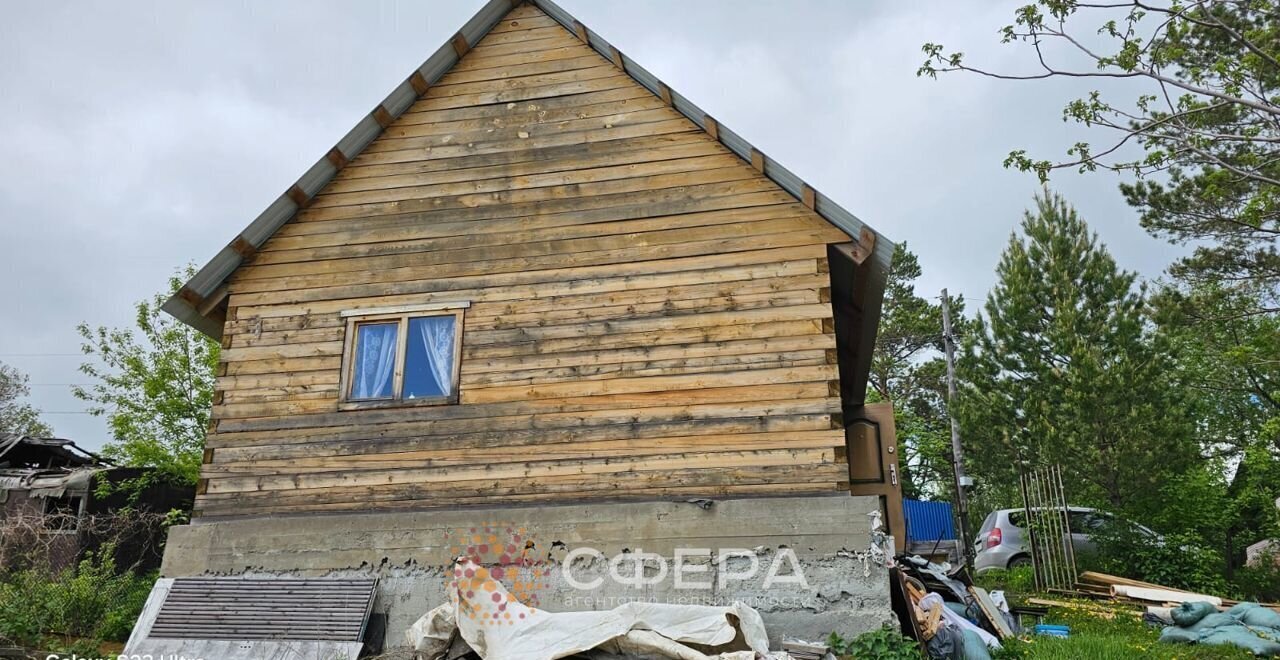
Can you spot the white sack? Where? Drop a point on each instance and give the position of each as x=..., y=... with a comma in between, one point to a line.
x=519, y=632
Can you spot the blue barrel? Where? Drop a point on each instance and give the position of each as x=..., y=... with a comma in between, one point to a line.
x=928, y=521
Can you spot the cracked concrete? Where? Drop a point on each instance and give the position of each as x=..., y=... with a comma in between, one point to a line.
x=794, y=559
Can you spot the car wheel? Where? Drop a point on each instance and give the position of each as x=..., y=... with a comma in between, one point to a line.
x=1020, y=561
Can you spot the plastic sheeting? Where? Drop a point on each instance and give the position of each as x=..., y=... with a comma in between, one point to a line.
x=1247, y=625
x=496, y=625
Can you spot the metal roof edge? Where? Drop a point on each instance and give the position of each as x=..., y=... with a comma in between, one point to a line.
x=185, y=304
x=825, y=206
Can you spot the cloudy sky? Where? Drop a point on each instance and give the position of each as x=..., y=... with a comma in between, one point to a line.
x=140, y=136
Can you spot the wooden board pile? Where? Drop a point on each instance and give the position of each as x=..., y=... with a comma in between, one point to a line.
x=1102, y=586
x=801, y=650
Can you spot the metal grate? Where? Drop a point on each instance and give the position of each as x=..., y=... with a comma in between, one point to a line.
x=275, y=608
x=1048, y=524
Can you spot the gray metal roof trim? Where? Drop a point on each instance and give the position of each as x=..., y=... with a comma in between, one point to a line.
x=832, y=212
x=213, y=274
x=282, y=209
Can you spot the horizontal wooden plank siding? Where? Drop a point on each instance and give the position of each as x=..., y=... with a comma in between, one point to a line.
x=649, y=315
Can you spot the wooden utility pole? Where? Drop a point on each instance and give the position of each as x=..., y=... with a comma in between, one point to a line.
x=957, y=452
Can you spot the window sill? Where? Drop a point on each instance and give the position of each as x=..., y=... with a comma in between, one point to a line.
x=398, y=403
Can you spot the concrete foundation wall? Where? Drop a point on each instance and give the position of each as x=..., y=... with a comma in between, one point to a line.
x=810, y=574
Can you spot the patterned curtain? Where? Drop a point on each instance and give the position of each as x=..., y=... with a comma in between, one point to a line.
x=436, y=334
x=375, y=361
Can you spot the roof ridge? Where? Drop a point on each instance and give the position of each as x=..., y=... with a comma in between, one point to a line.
x=197, y=302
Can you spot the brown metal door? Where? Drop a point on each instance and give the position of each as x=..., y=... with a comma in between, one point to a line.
x=872, y=446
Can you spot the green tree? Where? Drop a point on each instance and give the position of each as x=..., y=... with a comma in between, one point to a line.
x=908, y=370
x=16, y=415
x=1200, y=80
x=1225, y=347
x=154, y=383
x=1063, y=368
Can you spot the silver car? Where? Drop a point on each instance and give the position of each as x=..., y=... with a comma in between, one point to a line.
x=1000, y=544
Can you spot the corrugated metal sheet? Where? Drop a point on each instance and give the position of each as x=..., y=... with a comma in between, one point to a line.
x=268, y=608
x=928, y=521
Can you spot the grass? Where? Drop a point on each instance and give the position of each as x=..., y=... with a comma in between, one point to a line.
x=1120, y=637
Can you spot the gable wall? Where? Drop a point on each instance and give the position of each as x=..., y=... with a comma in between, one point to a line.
x=650, y=316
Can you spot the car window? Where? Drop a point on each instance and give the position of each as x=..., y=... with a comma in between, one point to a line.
x=987, y=524
x=1083, y=521
x=1017, y=518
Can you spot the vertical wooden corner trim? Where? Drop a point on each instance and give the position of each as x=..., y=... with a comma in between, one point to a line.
x=202, y=487
x=460, y=45
x=581, y=31
x=808, y=196
x=217, y=397
x=221, y=369
x=616, y=56
x=208, y=456
x=757, y=159
x=299, y=197
x=338, y=159
x=664, y=92
x=419, y=83
x=382, y=116
x=712, y=127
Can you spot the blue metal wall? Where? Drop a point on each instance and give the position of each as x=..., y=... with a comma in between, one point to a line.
x=928, y=521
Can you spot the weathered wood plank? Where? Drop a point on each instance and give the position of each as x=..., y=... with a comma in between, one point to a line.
x=648, y=315
x=526, y=470
x=523, y=434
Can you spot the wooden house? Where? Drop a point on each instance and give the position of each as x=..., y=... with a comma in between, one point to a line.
x=535, y=275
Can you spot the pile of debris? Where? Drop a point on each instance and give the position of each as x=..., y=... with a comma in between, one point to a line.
x=941, y=608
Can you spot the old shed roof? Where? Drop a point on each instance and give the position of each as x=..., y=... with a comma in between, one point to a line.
x=23, y=452
x=201, y=301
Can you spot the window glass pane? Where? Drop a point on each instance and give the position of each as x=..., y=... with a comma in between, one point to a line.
x=428, y=359
x=375, y=361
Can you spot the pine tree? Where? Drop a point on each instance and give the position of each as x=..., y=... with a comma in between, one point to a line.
x=1063, y=368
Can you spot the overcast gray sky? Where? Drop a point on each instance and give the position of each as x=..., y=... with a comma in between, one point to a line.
x=139, y=136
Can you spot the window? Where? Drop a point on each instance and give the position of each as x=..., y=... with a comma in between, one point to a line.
x=62, y=514
x=402, y=356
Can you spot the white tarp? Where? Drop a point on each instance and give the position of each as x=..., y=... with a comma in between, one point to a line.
x=496, y=625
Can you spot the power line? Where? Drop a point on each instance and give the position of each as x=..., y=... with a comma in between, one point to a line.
x=41, y=354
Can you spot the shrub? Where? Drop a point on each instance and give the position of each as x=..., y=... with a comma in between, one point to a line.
x=91, y=601
x=883, y=644
x=1261, y=581
x=1179, y=561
